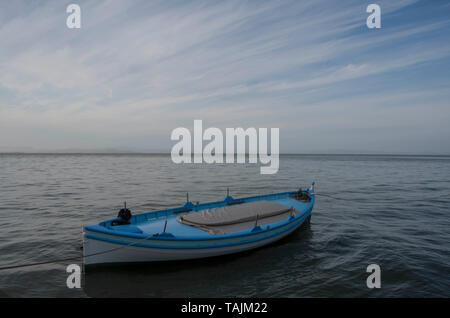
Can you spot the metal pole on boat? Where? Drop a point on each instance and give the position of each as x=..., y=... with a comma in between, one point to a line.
x=256, y=221
x=165, y=225
x=187, y=196
x=228, y=192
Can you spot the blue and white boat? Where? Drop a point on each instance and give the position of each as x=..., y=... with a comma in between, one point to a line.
x=197, y=230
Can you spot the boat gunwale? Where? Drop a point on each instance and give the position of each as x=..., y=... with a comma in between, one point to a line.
x=98, y=228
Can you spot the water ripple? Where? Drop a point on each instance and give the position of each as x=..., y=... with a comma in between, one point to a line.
x=389, y=210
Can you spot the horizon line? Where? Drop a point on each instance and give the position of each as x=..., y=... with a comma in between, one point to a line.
x=246, y=154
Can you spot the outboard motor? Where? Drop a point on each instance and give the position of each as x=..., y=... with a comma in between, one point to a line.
x=124, y=215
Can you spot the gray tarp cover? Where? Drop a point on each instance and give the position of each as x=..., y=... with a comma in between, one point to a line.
x=237, y=217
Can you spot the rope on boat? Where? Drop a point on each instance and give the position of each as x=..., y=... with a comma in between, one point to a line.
x=74, y=258
x=40, y=263
x=329, y=196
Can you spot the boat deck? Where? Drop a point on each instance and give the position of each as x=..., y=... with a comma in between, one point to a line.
x=156, y=226
x=150, y=223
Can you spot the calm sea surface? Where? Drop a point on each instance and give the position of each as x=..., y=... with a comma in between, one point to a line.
x=393, y=211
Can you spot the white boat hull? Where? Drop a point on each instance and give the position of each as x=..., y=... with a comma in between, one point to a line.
x=99, y=251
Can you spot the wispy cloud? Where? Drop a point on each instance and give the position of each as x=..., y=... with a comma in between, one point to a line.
x=151, y=66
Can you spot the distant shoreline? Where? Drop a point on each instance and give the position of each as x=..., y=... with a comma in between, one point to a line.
x=168, y=154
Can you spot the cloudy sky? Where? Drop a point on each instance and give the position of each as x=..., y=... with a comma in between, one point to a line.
x=138, y=69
